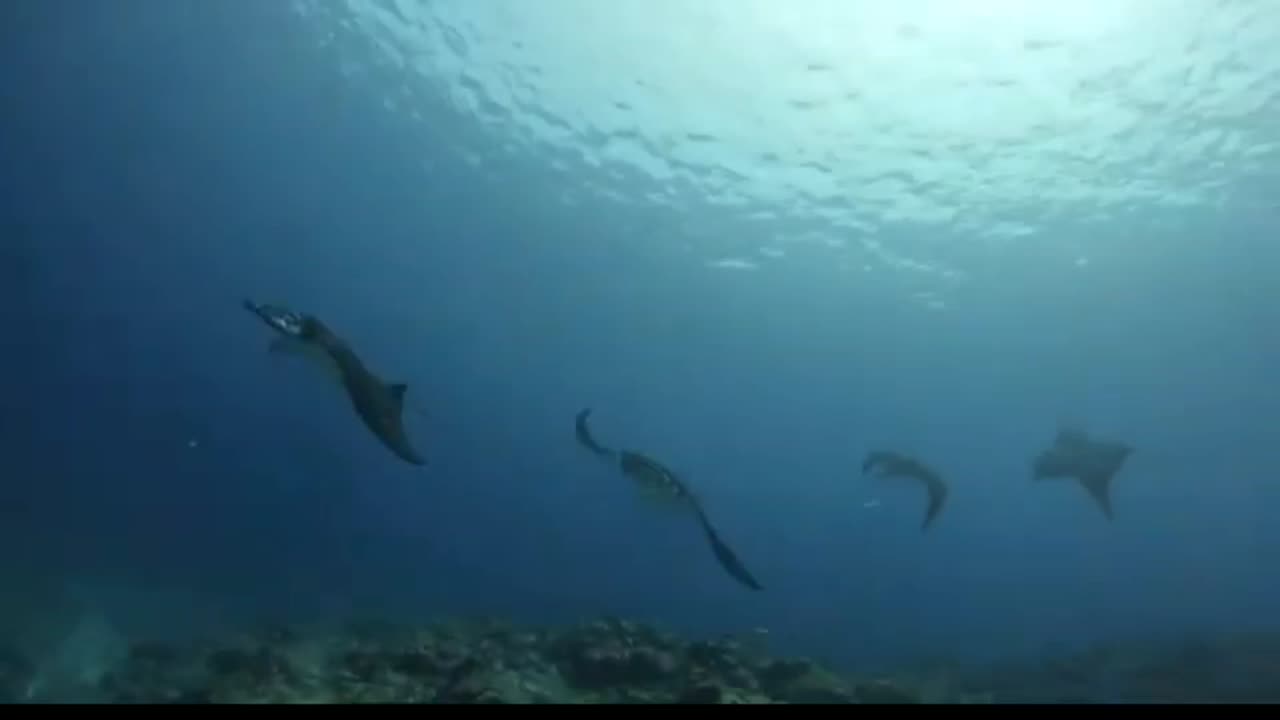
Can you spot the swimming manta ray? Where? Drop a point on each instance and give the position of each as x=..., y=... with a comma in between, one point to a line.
x=379, y=404
x=658, y=482
x=1091, y=462
x=885, y=463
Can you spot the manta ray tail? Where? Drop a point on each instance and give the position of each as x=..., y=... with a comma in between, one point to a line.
x=725, y=555
x=584, y=435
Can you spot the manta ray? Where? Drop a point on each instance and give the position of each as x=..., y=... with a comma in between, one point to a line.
x=379, y=404
x=659, y=483
x=1091, y=462
x=886, y=463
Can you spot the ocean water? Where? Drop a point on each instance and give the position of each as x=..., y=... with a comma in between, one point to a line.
x=758, y=239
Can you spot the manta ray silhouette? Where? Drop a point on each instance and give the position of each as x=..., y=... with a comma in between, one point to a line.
x=1091, y=462
x=885, y=463
x=657, y=479
x=379, y=404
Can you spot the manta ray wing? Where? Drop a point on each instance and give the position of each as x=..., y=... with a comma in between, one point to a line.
x=728, y=559
x=1098, y=485
x=937, y=499
x=289, y=346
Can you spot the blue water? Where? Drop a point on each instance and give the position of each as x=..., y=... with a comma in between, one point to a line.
x=759, y=241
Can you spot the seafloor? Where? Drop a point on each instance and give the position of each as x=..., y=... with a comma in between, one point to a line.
x=618, y=661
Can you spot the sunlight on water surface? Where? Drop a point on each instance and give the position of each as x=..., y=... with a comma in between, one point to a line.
x=841, y=126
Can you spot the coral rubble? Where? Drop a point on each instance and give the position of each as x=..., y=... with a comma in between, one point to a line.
x=603, y=661
x=613, y=661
